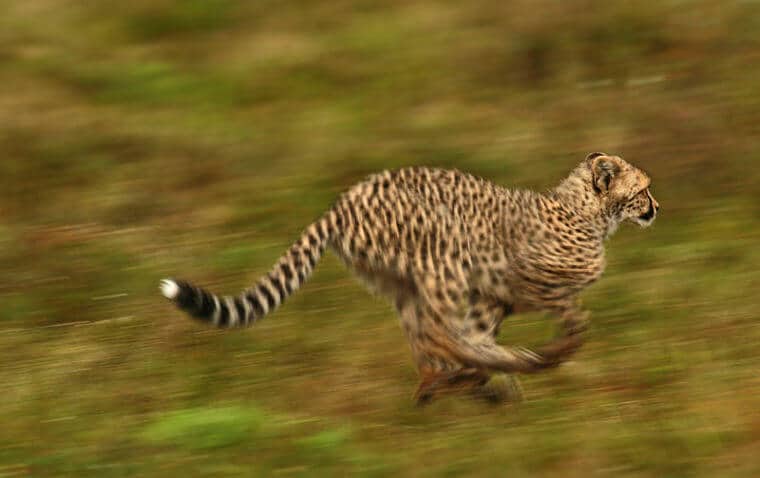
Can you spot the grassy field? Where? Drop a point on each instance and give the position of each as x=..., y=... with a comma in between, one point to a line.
x=196, y=138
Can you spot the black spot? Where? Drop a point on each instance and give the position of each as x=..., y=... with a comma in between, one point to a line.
x=288, y=288
x=186, y=297
x=351, y=215
x=286, y=271
x=277, y=285
x=205, y=305
x=310, y=257
x=224, y=315
x=240, y=308
x=322, y=231
x=258, y=310
x=264, y=291
x=186, y=294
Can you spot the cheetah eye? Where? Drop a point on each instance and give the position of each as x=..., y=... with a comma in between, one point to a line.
x=640, y=194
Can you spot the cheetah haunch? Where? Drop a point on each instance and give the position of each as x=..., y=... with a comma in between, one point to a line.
x=457, y=254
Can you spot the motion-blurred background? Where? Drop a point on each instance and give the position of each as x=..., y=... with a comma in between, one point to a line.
x=197, y=137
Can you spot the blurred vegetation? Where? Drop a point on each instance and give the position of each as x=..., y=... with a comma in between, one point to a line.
x=197, y=137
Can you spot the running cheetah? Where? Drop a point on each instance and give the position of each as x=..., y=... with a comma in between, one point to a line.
x=457, y=254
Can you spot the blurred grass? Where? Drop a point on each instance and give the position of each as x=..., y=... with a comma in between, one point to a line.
x=197, y=138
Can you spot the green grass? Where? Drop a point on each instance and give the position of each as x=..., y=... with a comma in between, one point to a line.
x=197, y=139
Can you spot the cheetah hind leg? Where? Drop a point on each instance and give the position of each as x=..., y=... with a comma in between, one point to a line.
x=436, y=384
x=483, y=319
x=496, y=389
x=439, y=374
x=501, y=388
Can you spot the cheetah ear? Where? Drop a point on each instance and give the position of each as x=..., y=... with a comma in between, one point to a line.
x=604, y=170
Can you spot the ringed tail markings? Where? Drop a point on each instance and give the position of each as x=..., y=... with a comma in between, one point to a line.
x=263, y=297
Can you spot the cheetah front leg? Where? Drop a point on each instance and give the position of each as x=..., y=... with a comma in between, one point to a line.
x=573, y=324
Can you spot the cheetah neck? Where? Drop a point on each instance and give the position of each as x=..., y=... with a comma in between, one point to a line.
x=577, y=194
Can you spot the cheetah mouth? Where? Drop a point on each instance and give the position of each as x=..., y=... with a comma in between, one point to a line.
x=647, y=218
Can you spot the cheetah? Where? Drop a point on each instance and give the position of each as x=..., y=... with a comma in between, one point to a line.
x=456, y=255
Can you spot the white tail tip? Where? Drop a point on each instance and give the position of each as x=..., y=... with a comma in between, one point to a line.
x=170, y=289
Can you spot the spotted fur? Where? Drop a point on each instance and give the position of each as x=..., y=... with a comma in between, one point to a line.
x=457, y=254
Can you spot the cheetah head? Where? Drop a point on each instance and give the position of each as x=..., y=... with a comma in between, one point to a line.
x=623, y=189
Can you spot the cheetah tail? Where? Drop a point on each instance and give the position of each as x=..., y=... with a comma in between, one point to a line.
x=271, y=290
